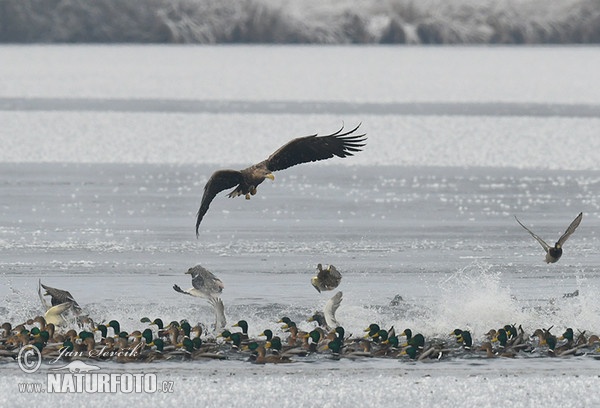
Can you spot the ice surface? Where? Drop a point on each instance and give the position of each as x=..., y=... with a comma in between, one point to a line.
x=102, y=202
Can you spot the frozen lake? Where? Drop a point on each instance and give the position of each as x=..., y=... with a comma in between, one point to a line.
x=106, y=151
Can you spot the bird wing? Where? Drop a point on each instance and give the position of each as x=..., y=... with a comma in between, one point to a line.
x=571, y=229
x=59, y=296
x=207, y=281
x=220, y=320
x=334, y=275
x=55, y=313
x=538, y=239
x=45, y=303
x=313, y=148
x=331, y=307
x=219, y=181
x=198, y=282
x=178, y=289
x=329, y=277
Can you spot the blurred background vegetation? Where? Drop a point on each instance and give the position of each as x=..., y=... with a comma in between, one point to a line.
x=301, y=21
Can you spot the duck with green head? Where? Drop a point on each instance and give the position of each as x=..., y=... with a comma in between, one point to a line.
x=148, y=336
x=277, y=347
x=116, y=326
x=312, y=340
x=103, y=332
x=464, y=338
x=236, y=340
x=337, y=348
x=285, y=320
x=242, y=324
x=501, y=337
x=372, y=330
x=411, y=352
x=319, y=318
x=186, y=328
x=267, y=333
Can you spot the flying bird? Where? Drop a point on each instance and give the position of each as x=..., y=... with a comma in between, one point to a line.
x=326, y=279
x=57, y=297
x=204, y=283
x=300, y=150
x=554, y=253
x=62, y=308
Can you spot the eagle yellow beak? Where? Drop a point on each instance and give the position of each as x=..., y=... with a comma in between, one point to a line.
x=270, y=176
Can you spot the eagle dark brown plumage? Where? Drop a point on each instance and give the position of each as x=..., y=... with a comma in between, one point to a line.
x=300, y=150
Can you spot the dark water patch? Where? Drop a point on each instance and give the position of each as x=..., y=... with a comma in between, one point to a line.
x=301, y=107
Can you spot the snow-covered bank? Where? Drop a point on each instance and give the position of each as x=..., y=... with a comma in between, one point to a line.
x=306, y=21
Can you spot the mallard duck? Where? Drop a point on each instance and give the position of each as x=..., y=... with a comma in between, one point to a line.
x=417, y=341
x=372, y=330
x=6, y=329
x=487, y=347
x=554, y=350
x=336, y=346
x=262, y=357
x=157, y=353
x=116, y=326
x=236, y=340
x=312, y=340
x=411, y=351
x=464, y=338
x=267, y=333
x=148, y=336
x=60, y=313
x=501, y=337
x=318, y=317
x=196, y=331
x=276, y=345
x=554, y=253
x=103, y=332
x=295, y=336
x=197, y=351
x=204, y=283
x=381, y=336
x=570, y=347
x=285, y=320
x=242, y=324
x=186, y=328
x=326, y=279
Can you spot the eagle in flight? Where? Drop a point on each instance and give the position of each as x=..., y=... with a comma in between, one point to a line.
x=300, y=150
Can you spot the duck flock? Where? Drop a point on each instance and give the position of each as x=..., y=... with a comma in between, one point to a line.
x=66, y=332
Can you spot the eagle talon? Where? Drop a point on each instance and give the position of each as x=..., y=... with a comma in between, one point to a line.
x=247, y=196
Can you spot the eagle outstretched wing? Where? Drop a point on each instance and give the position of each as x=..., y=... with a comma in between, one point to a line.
x=219, y=181
x=314, y=148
